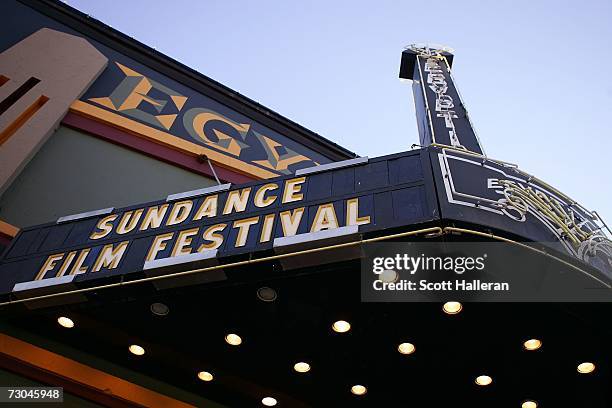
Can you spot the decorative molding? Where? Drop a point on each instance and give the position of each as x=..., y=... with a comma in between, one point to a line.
x=167, y=139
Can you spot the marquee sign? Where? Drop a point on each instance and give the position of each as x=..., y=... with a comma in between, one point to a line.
x=179, y=117
x=441, y=114
x=360, y=193
x=397, y=191
x=474, y=189
x=497, y=194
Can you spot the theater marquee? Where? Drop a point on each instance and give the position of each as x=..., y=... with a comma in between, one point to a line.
x=422, y=188
x=363, y=194
x=190, y=212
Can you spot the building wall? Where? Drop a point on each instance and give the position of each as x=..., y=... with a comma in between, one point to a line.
x=9, y=379
x=74, y=172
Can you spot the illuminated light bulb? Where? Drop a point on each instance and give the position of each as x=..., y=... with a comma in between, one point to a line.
x=586, y=368
x=301, y=367
x=406, y=348
x=529, y=404
x=136, y=349
x=452, y=307
x=269, y=401
x=532, y=344
x=233, y=339
x=483, y=380
x=65, y=322
x=205, y=376
x=341, y=326
x=358, y=389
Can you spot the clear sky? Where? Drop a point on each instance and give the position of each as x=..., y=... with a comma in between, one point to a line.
x=535, y=75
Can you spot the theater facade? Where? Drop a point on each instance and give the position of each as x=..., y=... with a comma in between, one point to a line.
x=168, y=242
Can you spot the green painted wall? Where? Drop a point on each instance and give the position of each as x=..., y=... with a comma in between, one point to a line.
x=74, y=172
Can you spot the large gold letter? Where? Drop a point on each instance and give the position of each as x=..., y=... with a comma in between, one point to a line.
x=78, y=265
x=260, y=199
x=48, y=265
x=243, y=230
x=154, y=217
x=109, y=258
x=211, y=235
x=352, y=213
x=266, y=228
x=195, y=120
x=237, y=200
x=105, y=226
x=129, y=221
x=180, y=212
x=208, y=208
x=66, y=264
x=158, y=245
x=292, y=191
x=325, y=218
x=181, y=246
x=291, y=221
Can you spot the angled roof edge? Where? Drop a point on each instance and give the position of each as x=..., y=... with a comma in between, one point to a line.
x=199, y=82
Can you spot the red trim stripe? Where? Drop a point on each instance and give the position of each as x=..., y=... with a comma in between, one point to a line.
x=152, y=149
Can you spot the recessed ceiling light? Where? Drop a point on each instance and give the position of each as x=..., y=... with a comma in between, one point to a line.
x=358, y=389
x=406, y=348
x=341, y=326
x=233, y=339
x=586, y=368
x=529, y=404
x=159, y=309
x=65, y=322
x=266, y=294
x=136, y=349
x=269, y=401
x=532, y=344
x=205, y=376
x=483, y=380
x=301, y=367
x=452, y=307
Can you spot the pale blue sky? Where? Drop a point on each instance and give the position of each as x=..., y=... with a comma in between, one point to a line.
x=535, y=75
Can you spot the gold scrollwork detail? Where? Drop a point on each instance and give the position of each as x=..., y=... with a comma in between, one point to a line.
x=587, y=242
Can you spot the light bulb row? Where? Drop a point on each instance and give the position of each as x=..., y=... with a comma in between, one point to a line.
x=343, y=326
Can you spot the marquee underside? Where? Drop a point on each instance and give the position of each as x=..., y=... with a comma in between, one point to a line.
x=451, y=350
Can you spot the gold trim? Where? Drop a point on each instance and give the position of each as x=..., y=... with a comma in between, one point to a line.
x=507, y=240
x=167, y=139
x=471, y=153
x=90, y=377
x=8, y=229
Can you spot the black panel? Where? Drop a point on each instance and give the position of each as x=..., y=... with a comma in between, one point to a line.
x=406, y=169
x=479, y=196
x=371, y=176
x=439, y=105
x=389, y=205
